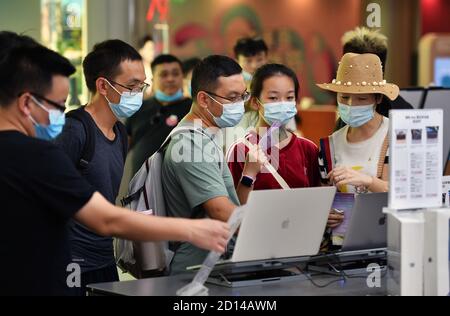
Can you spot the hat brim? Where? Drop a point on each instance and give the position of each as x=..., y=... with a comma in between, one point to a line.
x=390, y=90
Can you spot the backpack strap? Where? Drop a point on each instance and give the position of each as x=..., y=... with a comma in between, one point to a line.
x=123, y=134
x=186, y=129
x=89, y=128
x=383, y=152
x=326, y=158
x=176, y=131
x=130, y=198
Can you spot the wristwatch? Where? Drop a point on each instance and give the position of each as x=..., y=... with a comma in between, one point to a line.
x=247, y=181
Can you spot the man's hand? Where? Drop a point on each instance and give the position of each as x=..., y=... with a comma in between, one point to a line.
x=108, y=220
x=209, y=234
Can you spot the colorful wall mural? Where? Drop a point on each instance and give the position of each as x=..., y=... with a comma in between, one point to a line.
x=303, y=34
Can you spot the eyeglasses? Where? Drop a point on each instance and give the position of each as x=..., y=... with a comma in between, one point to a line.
x=244, y=97
x=133, y=90
x=58, y=106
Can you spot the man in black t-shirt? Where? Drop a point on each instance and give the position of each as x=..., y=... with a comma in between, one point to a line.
x=159, y=115
x=41, y=190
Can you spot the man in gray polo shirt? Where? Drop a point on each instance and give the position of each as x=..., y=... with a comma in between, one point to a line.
x=196, y=181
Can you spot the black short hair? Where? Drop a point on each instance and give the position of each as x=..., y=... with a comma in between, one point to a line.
x=30, y=69
x=189, y=64
x=210, y=69
x=268, y=71
x=165, y=59
x=11, y=40
x=249, y=47
x=144, y=40
x=105, y=60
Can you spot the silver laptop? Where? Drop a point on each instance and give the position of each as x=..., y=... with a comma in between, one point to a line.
x=283, y=224
x=367, y=228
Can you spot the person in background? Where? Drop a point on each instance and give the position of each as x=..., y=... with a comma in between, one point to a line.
x=274, y=89
x=188, y=69
x=146, y=49
x=160, y=114
x=41, y=190
x=251, y=54
x=366, y=41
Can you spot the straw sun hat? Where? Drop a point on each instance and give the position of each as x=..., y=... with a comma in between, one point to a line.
x=361, y=74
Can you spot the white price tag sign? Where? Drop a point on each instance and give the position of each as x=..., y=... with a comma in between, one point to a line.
x=416, y=142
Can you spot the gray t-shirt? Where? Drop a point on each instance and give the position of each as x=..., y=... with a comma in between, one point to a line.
x=193, y=173
x=104, y=173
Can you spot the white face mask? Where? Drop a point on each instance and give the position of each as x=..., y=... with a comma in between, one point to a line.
x=129, y=103
x=232, y=114
x=279, y=112
x=358, y=115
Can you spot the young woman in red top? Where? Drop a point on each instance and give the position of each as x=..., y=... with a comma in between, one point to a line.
x=274, y=90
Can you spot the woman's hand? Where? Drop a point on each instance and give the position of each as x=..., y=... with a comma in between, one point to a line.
x=347, y=176
x=335, y=219
x=254, y=162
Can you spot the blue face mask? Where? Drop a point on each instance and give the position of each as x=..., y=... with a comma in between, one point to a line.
x=232, y=114
x=247, y=76
x=356, y=116
x=190, y=89
x=162, y=97
x=129, y=104
x=279, y=112
x=57, y=120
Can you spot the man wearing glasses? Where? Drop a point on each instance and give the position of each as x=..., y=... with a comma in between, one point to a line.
x=115, y=77
x=196, y=181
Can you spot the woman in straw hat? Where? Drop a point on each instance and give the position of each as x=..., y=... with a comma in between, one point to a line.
x=357, y=155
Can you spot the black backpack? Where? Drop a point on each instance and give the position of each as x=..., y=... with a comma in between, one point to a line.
x=89, y=127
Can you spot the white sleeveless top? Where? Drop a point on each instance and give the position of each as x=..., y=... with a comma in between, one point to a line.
x=363, y=156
